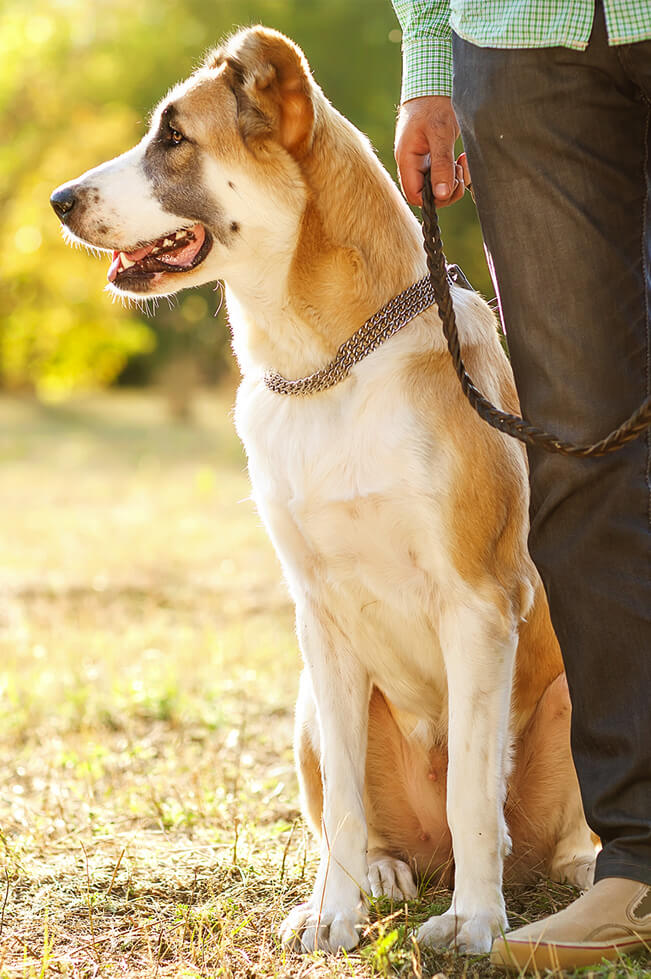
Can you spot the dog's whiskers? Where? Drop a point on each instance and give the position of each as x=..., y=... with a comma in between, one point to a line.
x=71, y=238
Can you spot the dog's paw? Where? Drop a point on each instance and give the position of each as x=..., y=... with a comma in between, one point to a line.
x=390, y=877
x=471, y=935
x=307, y=929
x=578, y=871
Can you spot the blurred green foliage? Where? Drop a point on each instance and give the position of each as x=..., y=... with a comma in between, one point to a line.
x=77, y=81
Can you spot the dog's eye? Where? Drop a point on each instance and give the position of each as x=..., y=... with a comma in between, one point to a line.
x=175, y=136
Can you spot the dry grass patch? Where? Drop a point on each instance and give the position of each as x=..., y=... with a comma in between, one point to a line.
x=148, y=803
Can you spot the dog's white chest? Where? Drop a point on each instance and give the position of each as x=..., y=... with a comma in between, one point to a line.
x=352, y=512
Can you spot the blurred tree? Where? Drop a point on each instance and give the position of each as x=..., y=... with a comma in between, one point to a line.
x=77, y=81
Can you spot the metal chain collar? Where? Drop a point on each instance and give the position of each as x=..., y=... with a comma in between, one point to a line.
x=399, y=311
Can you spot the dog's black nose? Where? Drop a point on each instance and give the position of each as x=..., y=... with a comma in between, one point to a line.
x=63, y=200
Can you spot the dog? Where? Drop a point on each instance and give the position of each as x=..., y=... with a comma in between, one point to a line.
x=433, y=710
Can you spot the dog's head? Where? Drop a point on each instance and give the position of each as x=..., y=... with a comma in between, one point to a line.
x=219, y=167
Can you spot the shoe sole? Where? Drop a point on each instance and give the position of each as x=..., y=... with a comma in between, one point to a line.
x=527, y=956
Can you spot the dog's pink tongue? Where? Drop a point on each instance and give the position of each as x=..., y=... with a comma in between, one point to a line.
x=187, y=254
x=184, y=255
x=139, y=253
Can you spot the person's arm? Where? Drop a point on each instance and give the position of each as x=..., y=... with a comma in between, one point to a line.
x=426, y=47
x=427, y=128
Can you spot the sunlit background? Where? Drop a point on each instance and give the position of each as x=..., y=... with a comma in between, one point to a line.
x=149, y=819
x=78, y=79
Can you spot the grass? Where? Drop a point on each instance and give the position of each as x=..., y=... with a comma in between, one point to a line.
x=148, y=803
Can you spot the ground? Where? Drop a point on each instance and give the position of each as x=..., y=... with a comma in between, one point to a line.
x=148, y=803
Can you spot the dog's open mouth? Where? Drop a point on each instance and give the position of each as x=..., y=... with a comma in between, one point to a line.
x=179, y=251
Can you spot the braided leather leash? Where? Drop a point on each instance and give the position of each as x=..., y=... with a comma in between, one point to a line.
x=512, y=425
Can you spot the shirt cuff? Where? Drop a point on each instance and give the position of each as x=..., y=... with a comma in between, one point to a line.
x=426, y=67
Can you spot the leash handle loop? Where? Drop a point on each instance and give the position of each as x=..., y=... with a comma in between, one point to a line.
x=503, y=421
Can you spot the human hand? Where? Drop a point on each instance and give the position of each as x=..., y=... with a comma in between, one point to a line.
x=425, y=135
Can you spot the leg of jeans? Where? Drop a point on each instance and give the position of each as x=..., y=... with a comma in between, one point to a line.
x=557, y=143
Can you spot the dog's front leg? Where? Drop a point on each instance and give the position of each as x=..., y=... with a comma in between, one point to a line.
x=332, y=918
x=479, y=650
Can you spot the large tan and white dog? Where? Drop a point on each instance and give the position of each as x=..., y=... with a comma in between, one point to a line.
x=433, y=709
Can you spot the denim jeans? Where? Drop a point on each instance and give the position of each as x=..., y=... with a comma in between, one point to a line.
x=558, y=149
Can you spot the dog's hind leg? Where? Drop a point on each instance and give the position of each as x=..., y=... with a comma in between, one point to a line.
x=479, y=644
x=573, y=860
x=575, y=855
x=548, y=817
x=389, y=876
x=341, y=687
x=543, y=808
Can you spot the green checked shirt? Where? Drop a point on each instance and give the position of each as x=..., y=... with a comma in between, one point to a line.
x=427, y=27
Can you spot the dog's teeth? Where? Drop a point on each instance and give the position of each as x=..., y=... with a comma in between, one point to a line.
x=179, y=234
x=126, y=262
x=167, y=242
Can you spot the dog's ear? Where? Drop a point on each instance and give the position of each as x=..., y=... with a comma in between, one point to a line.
x=273, y=86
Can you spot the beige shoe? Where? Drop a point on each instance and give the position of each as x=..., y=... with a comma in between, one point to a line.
x=613, y=917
